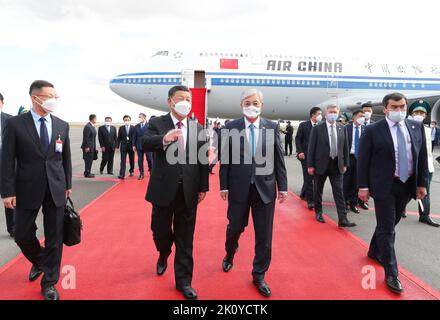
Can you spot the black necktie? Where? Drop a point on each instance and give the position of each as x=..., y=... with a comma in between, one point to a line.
x=44, y=136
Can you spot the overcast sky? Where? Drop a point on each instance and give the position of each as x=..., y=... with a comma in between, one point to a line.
x=79, y=45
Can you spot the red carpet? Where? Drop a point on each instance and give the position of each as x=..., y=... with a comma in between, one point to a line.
x=117, y=257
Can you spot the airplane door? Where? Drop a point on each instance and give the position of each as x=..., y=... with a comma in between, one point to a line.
x=188, y=78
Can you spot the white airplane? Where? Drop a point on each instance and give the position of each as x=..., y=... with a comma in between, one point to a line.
x=291, y=83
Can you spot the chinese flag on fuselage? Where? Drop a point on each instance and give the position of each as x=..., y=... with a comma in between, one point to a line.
x=228, y=63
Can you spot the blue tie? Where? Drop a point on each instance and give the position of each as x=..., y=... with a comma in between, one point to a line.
x=44, y=136
x=252, y=139
x=356, y=142
x=403, y=157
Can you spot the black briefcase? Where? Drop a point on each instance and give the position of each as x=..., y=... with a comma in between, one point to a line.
x=72, y=225
x=95, y=155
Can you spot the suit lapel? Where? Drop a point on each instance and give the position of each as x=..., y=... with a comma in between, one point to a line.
x=411, y=128
x=32, y=130
x=325, y=134
x=261, y=137
x=387, y=136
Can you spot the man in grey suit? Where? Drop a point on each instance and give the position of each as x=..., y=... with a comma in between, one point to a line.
x=328, y=156
x=252, y=171
x=10, y=223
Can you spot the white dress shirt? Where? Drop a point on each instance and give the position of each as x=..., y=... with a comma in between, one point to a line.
x=36, y=117
x=184, y=128
x=329, y=130
x=352, y=142
x=393, y=129
x=256, y=130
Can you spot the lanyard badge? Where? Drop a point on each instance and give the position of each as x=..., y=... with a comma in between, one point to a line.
x=59, y=145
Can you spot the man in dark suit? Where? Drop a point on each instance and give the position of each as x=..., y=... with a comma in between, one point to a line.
x=252, y=169
x=288, y=139
x=139, y=132
x=367, y=108
x=88, y=146
x=37, y=172
x=328, y=157
x=176, y=186
x=392, y=168
x=125, y=144
x=354, y=132
x=302, y=144
x=9, y=213
x=107, y=137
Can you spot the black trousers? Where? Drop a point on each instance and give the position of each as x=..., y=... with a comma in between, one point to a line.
x=307, y=188
x=10, y=220
x=288, y=147
x=88, y=161
x=176, y=223
x=350, y=182
x=124, y=152
x=262, y=217
x=107, y=160
x=388, y=215
x=141, y=154
x=336, y=178
x=48, y=258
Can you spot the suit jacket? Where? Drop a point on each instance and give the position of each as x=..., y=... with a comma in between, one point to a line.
x=318, y=153
x=89, y=137
x=138, y=135
x=27, y=171
x=163, y=184
x=349, y=133
x=303, y=136
x=107, y=139
x=289, y=133
x=3, y=118
x=376, y=160
x=124, y=141
x=236, y=177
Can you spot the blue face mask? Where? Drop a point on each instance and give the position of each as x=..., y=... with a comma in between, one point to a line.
x=332, y=117
x=397, y=116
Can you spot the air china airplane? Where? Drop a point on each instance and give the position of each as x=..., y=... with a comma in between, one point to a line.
x=291, y=84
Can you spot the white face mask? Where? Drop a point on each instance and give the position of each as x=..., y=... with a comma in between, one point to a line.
x=332, y=117
x=252, y=112
x=418, y=118
x=367, y=115
x=127, y=123
x=50, y=105
x=397, y=116
x=361, y=121
x=108, y=123
x=319, y=118
x=183, y=108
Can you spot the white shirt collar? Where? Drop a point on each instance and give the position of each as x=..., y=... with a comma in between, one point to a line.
x=391, y=124
x=330, y=124
x=37, y=117
x=176, y=120
x=256, y=123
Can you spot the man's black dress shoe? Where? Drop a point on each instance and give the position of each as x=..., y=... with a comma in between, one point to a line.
x=101, y=172
x=50, y=293
x=319, y=217
x=393, y=283
x=110, y=173
x=310, y=205
x=34, y=273
x=353, y=208
x=363, y=205
x=188, y=292
x=162, y=265
x=131, y=174
x=121, y=177
x=90, y=175
x=262, y=287
x=141, y=177
x=228, y=262
x=428, y=221
x=346, y=223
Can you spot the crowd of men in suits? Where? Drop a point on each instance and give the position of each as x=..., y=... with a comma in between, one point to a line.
x=127, y=139
x=387, y=160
